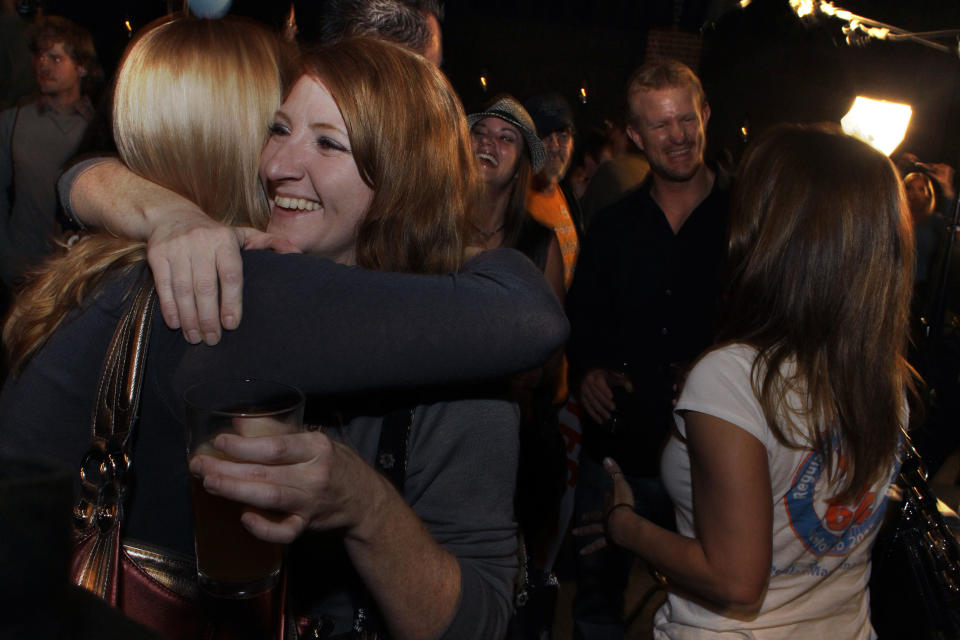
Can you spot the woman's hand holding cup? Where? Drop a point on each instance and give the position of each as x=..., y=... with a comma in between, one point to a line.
x=300, y=480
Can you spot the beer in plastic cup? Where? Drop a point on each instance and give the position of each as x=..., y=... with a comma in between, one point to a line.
x=231, y=562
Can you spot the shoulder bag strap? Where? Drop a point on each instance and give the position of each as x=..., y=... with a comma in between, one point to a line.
x=103, y=471
x=392, y=449
x=392, y=462
x=121, y=378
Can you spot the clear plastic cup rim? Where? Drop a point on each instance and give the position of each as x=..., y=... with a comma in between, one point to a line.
x=281, y=386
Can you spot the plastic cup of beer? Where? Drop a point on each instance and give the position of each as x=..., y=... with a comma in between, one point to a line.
x=231, y=562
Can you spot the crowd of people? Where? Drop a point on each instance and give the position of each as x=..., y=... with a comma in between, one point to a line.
x=737, y=354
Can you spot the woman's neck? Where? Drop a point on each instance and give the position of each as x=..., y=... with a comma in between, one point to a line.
x=491, y=215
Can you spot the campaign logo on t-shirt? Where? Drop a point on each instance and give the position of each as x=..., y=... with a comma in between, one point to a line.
x=829, y=529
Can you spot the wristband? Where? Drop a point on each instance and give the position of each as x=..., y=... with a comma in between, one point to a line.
x=606, y=521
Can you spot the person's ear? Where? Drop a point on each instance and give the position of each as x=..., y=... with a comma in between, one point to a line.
x=633, y=135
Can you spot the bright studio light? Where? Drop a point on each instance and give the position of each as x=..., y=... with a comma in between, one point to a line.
x=879, y=123
x=803, y=8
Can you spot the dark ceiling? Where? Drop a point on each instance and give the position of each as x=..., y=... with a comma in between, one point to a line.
x=760, y=64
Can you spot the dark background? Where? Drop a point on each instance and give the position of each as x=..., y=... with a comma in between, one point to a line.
x=760, y=65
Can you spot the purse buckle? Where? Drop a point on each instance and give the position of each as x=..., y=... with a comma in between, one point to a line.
x=102, y=479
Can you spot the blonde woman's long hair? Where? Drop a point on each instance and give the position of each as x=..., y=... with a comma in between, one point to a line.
x=192, y=102
x=820, y=276
x=409, y=138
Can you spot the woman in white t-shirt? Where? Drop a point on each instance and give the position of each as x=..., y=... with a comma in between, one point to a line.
x=786, y=433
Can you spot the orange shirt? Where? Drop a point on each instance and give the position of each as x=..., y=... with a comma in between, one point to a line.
x=552, y=211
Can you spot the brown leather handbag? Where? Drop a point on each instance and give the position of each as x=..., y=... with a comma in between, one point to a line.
x=153, y=586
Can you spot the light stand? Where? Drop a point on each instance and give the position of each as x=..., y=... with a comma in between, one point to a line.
x=860, y=29
x=941, y=358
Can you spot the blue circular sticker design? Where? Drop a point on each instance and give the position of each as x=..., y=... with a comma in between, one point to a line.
x=841, y=527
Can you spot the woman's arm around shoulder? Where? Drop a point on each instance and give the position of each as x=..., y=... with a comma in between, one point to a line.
x=195, y=259
x=329, y=328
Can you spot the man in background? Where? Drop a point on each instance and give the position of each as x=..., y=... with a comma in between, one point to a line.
x=550, y=200
x=622, y=168
x=37, y=137
x=641, y=308
x=414, y=24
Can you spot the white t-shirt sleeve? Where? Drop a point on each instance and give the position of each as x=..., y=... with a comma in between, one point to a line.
x=719, y=385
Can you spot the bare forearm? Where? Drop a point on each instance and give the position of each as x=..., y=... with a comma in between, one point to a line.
x=685, y=562
x=195, y=260
x=415, y=582
x=109, y=196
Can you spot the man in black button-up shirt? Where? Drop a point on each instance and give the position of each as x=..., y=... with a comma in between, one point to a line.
x=641, y=308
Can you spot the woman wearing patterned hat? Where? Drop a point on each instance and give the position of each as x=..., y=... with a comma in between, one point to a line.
x=508, y=154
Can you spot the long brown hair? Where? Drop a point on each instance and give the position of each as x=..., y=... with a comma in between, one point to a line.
x=516, y=212
x=191, y=106
x=409, y=138
x=820, y=275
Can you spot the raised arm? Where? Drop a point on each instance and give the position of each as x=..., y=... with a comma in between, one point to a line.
x=329, y=328
x=195, y=260
x=943, y=174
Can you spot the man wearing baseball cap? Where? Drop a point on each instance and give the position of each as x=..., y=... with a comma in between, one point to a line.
x=550, y=200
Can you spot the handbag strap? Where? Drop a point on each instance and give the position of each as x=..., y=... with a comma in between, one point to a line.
x=391, y=461
x=118, y=391
x=103, y=470
x=392, y=448
x=118, y=395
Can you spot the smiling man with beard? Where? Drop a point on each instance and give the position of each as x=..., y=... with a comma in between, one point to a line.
x=641, y=308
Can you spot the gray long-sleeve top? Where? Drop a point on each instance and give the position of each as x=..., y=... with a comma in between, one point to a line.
x=324, y=327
